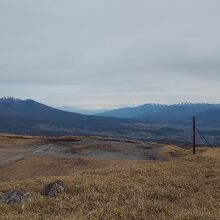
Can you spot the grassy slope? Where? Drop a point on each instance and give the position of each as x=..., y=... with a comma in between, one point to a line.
x=187, y=188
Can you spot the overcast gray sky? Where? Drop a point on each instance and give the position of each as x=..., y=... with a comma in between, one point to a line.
x=110, y=53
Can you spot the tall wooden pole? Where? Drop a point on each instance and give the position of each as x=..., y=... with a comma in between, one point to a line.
x=194, y=135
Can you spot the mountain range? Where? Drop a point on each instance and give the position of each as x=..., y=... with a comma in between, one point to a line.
x=146, y=122
x=178, y=113
x=31, y=117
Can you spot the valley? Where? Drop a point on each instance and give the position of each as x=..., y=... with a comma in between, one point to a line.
x=28, y=117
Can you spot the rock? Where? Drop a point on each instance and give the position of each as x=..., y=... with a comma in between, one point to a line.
x=15, y=196
x=54, y=189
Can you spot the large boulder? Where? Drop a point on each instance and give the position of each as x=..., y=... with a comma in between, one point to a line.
x=15, y=196
x=54, y=189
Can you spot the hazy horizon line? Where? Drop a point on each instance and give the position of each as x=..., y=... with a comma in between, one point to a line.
x=101, y=107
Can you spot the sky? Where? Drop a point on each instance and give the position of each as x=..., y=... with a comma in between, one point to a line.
x=103, y=54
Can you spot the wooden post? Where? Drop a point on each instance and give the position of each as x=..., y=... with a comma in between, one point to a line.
x=194, y=135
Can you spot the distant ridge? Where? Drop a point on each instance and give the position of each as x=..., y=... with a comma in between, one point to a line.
x=147, y=122
x=177, y=113
x=133, y=112
x=31, y=117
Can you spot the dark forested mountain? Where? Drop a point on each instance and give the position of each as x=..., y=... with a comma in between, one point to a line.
x=133, y=112
x=179, y=113
x=211, y=116
x=147, y=122
x=28, y=116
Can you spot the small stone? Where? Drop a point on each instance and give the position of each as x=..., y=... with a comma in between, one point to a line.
x=54, y=189
x=15, y=196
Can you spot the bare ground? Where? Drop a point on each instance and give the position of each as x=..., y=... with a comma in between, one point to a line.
x=14, y=148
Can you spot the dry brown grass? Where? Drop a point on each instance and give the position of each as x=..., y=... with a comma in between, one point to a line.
x=16, y=141
x=33, y=167
x=186, y=188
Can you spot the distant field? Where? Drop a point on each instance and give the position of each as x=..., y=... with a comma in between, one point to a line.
x=181, y=187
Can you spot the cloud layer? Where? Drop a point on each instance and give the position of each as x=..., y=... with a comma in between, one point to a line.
x=110, y=53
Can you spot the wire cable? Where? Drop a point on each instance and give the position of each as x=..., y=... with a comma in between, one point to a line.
x=203, y=137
